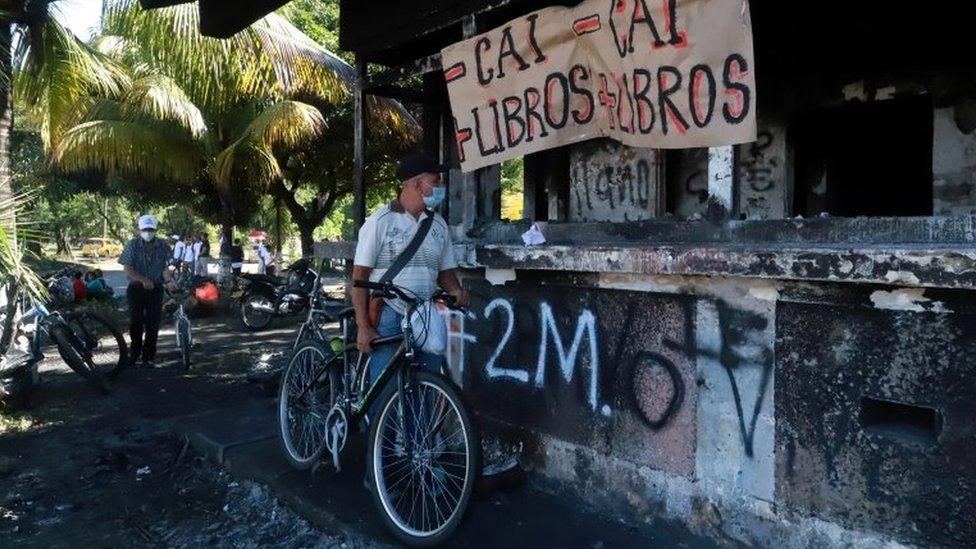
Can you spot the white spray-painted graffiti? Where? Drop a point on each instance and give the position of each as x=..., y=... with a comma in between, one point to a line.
x=551, y=348
x=567, y=359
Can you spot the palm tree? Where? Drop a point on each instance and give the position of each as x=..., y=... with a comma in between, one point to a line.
x=52, y=66
x=202, y=113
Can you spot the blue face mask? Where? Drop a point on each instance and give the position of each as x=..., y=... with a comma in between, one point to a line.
x=436, y=197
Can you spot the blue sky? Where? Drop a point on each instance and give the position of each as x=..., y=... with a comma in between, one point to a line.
x=81, y=16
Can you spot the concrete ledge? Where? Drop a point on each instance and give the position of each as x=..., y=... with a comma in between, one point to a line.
x=899, y=265
x=921, y=265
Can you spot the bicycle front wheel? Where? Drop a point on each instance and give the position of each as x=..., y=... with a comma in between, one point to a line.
x=309, y=388
x=73, y=353
x=184, y=341
x=103, y=341
x=423, y=490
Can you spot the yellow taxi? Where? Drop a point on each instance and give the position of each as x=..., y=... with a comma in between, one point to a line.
x=100, y=247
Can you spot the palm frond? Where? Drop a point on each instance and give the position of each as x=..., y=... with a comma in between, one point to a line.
x=269, y=59
x=54, y=69
x=89, y=109
x=159, y=97
x=127, y=148
x=285, y=125
x=282, y=126
x=245, y=161
x=12, y=266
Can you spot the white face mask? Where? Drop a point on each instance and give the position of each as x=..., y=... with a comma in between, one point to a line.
x=148, y=235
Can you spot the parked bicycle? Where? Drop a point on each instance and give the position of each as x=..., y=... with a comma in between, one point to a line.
x=423, y=454
x=321, y=310
x=88, y=342
x=181, y=325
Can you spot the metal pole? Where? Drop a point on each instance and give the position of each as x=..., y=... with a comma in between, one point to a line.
x=359, y=145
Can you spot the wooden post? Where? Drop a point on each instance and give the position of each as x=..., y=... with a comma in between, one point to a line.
x=359, y=145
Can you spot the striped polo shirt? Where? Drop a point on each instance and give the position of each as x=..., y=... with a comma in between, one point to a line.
x=387, y=232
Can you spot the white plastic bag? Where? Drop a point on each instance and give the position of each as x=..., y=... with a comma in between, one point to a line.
x=429, y=329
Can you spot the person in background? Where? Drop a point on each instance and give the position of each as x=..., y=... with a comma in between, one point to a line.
x=265, y=266
x=145, y=260
x=202, y=255
x=237, y=257
x=225, y=245
x=178, y=246
x=96, y=286
x=188, y=258
x=78, y=285
x=197, y=246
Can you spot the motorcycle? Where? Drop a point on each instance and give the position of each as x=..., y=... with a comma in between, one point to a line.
x=264, y=297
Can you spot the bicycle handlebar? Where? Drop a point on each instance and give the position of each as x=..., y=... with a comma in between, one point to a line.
x=390, y=290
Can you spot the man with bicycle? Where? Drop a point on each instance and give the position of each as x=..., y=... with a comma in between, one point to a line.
x=382, y=239
x=146, y=261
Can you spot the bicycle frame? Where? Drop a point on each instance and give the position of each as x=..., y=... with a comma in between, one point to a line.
x=401, y=364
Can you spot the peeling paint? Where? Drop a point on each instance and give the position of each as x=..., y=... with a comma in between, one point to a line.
x=907, y=299
x=498, y=277
x=906, y=277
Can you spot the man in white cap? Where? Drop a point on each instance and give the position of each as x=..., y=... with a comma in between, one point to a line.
x=145, y=260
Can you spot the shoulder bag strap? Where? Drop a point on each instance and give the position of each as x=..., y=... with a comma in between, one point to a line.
x=407, y=254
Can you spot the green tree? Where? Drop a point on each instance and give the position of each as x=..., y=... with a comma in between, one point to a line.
x=201, y=118
x=53, y=69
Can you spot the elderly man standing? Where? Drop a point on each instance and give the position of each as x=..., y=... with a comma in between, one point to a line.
x=145, y=260
x=384, y=236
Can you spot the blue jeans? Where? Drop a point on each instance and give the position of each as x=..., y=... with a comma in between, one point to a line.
x=391, y=324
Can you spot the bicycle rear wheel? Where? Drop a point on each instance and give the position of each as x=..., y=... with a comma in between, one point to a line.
x=184, y=340
x=104, y=342
x=73, y=353
x=309, y=388
x=423, y=493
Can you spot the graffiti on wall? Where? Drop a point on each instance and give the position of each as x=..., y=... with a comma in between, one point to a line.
x=741, y=343
x=613, y=182
x=607, y=361
x=761, y=175
x=584, y=365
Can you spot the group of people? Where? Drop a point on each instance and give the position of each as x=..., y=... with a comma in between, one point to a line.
x=91, y=285
x=147, y=261
x=191, y=252
x=381, y=239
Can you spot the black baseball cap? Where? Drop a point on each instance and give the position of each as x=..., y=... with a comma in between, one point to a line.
x=418, y=163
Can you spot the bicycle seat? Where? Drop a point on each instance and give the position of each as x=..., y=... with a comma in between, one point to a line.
x=338, y=311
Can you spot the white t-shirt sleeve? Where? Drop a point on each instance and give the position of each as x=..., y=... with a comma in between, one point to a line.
x=368, y=245
x=447, y=255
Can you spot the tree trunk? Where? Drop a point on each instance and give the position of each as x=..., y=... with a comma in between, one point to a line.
x=6, y=126
x=305, y=231
x=227, y=227
x=227, y=231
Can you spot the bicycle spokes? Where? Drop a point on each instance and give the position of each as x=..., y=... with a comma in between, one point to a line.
x=309, y=402
x=422, y=482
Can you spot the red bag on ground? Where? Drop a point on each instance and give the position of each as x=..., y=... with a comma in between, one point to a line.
x=207, y=293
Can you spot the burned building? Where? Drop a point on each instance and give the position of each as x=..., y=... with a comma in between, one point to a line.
x=773, y=342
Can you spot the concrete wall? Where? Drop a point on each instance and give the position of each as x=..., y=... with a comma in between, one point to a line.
x=613, y=182
x=953, y=166
x=732, y=404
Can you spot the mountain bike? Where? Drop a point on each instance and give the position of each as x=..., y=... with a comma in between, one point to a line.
x=423, y=453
